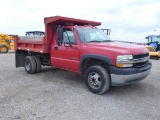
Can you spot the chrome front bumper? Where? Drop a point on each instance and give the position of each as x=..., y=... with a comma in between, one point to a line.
x=130, y=75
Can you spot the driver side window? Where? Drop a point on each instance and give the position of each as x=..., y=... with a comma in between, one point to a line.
x=68, y=35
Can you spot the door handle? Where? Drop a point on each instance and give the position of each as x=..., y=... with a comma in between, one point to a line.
x=55, y=48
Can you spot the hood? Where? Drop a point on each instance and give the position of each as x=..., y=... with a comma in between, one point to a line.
x=120, y=48
x=113, y=49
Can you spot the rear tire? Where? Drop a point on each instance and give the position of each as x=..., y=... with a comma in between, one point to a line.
x=3, y=49
x=38, y=64
x=97, y=79
x=30, y=64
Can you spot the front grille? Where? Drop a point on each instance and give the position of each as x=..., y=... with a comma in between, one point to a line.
x=140, y=56
x=140, y=64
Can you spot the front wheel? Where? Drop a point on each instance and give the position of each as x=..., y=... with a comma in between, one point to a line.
x=97, y=79
x=3, y=49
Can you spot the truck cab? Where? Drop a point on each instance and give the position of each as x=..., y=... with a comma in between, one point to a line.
x=79, y=46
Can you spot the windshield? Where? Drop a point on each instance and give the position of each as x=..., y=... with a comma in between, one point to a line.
x=92, y=35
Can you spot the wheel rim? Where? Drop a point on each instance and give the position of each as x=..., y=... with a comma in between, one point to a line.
x=27, y=65
x=3, y=49
x=94, y=80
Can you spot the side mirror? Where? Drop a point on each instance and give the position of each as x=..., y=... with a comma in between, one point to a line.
x=59, y=36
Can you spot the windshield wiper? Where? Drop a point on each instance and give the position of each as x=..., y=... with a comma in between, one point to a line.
x=99, y=41
x=106, y=41
x=93, y=41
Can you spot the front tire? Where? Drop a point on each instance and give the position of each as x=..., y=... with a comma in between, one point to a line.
x=30, y=64
x=3, y=49
x=97, y=79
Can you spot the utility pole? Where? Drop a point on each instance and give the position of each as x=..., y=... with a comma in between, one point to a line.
x=154, y=35
x=154, y=32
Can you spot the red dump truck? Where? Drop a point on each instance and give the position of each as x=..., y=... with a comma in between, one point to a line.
x=79, y=46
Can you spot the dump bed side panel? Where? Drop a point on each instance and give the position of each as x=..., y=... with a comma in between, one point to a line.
x=32, y=43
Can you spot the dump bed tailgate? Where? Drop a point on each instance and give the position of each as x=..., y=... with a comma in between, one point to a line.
x=32, y=43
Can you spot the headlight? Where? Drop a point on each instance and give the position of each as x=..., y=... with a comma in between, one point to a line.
x=123, y=61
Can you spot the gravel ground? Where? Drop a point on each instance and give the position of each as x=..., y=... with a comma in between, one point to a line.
x=55, y=94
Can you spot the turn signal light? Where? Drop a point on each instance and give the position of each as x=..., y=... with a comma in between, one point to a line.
x=119, y=65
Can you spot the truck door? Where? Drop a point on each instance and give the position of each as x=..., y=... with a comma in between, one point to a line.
x=66, y=56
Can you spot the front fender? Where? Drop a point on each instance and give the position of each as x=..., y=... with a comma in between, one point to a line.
x=95, y=56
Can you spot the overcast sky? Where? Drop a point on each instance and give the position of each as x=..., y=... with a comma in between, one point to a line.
x=129, y=20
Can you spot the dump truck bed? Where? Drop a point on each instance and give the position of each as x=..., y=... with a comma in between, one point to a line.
x=43, y=44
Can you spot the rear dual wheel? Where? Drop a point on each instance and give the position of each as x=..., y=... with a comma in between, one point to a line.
x=38, y=64
x=32, y=64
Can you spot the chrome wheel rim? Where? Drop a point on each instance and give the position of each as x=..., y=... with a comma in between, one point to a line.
x=28, y=65
x=94, y=80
